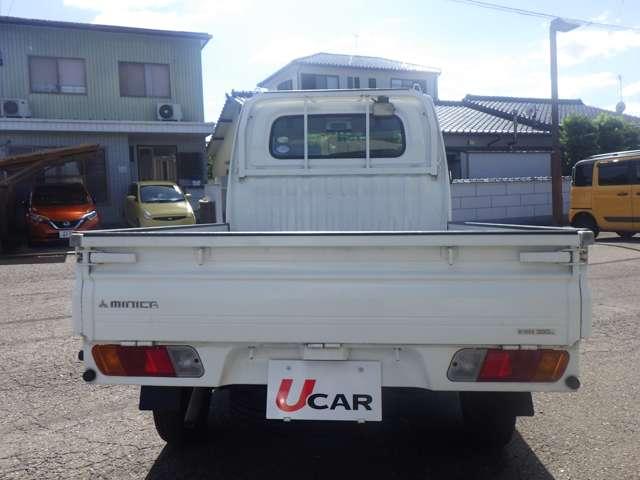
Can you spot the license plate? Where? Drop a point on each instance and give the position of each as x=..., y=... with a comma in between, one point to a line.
x=64, y=233
x=324, y=390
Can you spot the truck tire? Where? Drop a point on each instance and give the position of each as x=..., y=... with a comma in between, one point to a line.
x=171, y=425
x=488, y=425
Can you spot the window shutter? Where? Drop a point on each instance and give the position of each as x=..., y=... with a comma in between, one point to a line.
x=43, y=74
x=132, y=82
x=72, y=76
x=157, y=80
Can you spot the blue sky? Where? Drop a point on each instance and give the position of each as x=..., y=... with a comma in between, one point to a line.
x=479, y=51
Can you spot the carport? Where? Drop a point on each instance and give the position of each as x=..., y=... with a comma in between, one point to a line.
x=20, y=168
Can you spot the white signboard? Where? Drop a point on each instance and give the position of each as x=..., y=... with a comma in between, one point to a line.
x=324, y=390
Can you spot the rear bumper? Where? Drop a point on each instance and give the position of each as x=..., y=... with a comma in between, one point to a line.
x=423, y=366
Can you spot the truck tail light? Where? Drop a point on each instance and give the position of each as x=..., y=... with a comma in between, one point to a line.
x=148, y=361
x=495, y=365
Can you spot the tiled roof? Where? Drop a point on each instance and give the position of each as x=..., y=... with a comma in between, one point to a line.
x=456, y=118
x=535, y=112
x=354, y=61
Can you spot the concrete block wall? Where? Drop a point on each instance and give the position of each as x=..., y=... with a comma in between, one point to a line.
x=511, y=200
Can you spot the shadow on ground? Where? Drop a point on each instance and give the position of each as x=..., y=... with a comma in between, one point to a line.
x=55, y=253
x=316, y=451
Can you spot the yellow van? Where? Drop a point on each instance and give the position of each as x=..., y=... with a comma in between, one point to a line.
x=605, y=193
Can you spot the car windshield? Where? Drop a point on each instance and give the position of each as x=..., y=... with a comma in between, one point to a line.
x=60, y=195
x=161, y=194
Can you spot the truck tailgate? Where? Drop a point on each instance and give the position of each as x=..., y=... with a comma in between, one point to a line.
x=465, y=287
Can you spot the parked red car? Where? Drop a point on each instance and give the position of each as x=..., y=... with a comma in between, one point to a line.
x=55, y=210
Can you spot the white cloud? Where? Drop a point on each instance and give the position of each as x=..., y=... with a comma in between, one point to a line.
x=162, y=14
x=633, y=108
x=631, y=90
x=586, y=44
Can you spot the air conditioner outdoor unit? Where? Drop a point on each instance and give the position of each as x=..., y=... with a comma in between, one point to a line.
x=14, y=107
x=169, y=112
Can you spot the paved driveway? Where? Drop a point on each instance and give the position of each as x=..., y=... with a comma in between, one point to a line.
x=52, y=425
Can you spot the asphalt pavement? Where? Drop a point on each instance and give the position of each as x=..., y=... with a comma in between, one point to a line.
x=53, y=425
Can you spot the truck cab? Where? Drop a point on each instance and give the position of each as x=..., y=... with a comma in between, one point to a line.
x=338, y=161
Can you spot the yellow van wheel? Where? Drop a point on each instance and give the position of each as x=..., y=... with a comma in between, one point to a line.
x=584, y=220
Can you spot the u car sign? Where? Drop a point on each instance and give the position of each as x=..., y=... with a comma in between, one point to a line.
x=324, y=390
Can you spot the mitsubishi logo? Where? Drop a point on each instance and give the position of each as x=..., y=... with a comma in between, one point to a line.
x=103, y=304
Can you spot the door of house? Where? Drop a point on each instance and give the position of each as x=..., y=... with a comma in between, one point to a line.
x=157, y=163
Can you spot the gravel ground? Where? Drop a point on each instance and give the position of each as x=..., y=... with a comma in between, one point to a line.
x=53, y=425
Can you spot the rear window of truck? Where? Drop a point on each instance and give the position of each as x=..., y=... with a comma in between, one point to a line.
x=337, y=136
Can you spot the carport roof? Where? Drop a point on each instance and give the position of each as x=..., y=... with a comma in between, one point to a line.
x=46, y=156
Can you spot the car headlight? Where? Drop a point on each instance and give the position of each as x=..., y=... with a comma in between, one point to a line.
x=146, y=215
x=38, y=218
x=90, y=215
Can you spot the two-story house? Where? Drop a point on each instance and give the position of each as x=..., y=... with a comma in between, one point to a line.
x=333, y=70
x=136, y=92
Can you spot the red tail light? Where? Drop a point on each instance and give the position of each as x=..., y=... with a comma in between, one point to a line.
x=494, y=365
x=148, y=361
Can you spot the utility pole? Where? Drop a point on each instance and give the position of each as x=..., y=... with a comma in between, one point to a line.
x=557, y=25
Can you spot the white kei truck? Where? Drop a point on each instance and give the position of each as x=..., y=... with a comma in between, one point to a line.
x=337, y=279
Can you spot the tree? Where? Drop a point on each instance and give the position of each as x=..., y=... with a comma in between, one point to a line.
x=578, y=140
x=615, y=134
x=581, y=137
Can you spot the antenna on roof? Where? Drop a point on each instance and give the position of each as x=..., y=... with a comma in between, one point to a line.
x=620, y=106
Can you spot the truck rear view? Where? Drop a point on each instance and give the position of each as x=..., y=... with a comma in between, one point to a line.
x=336, y=282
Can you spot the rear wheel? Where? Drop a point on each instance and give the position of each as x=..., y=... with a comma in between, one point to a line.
x=626, y=235
x=487, y=425
x=178, y=427
x=586, y=221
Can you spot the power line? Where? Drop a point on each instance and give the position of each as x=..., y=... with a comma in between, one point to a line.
x=533, y=13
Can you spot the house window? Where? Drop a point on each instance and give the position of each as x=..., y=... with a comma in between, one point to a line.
x=337, y=136
x=57, y=75
x=403, y=83
x=353, y=82
x=315, y=82
x=372, y=83
x=157, y=163
x=286, y=85
x=144, y=80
